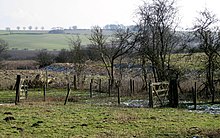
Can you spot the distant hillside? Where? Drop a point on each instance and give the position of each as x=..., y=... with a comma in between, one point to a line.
x=37, y=40
x=30, y=40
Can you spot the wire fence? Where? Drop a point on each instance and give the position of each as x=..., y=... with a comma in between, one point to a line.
x=53, y=87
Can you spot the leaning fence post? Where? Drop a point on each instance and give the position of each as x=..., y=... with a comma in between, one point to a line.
x=17, y=97
x=150, y=95
x=68, y=91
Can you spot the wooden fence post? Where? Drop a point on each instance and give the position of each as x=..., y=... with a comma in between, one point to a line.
x=74, y=83
x=195, y=96
x=45, y=89
x=131, y=89
x=90, y=88
x=67, y=95
x=146, y=88
x=118, y=89
x=17, y=97
x=150, y=95
x=46, y=79
x=109, y=87
x=100, y=85
x=173, y=93
x=26, y=87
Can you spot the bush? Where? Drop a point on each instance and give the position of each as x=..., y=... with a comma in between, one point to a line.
x=63, y=56
x=44, y=58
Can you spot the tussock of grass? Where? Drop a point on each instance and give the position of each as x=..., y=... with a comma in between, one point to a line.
x=80, y=120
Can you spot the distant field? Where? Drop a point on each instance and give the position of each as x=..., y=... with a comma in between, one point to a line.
x=35, y=40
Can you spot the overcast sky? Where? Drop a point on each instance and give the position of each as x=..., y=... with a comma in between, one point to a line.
x=87, y=13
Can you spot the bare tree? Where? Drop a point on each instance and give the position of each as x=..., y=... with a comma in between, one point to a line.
x=77, y=56
x=208, y=34
x=111, y=49
x=157, y=36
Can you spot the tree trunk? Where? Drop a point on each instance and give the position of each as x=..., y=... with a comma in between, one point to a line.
x=144, y=70
x=112, y=73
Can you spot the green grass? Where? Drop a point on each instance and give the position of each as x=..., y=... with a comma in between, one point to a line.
x=78, y=119
x=81, y=120
x=35, y=41
x=33, y=95
x=188, y=62
x=7, y=96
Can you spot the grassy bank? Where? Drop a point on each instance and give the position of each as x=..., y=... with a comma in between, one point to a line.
x=80, y=120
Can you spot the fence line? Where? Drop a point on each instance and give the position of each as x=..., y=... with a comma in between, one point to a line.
x=130, y=88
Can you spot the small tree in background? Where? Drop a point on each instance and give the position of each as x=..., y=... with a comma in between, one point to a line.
x=157, y=36
x=77, y=56
x=18, y=28
x=63, y=56
x=111, y=50
x=3, y=50
x=92, y=53
x=30, y=27
x=8, y=29
x=44, y=58
x=208, y=34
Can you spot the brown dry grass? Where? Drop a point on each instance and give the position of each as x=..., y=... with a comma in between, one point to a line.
x=21, y=64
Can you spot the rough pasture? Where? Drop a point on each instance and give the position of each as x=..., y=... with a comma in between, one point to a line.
x=80, y=120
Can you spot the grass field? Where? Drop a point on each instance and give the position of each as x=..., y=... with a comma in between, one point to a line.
x=36, y=40
x=83, y=120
